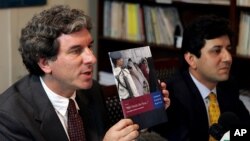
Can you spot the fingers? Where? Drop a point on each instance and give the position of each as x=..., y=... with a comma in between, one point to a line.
x=124, y=130
x=166, y=99
x=132, y=135
x=167, y=102
x=165, y=94
x=122, y=124
x=130, y=131
x=163, y=85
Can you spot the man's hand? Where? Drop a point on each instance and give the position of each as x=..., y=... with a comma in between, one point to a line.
x=165, y=94
x=124, y=130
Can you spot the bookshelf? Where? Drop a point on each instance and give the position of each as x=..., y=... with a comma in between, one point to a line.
x=187, y=11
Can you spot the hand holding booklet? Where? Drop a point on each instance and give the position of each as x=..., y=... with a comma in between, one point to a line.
x=137, y=86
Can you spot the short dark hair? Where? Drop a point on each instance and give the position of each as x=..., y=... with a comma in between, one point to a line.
x=39, y=36
x=203, y=28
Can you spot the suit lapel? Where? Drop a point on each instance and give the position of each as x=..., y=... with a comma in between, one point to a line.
x=90, y=103
x=196, y=107
x=44, y=113
x=51, y=126
x=224, y=98
x=194, y=95
x=87, y=113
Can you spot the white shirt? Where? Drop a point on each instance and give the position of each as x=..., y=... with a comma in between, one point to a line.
x=204, y=91
x=60, y=104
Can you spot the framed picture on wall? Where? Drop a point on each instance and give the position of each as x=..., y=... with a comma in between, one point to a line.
x=21, y=3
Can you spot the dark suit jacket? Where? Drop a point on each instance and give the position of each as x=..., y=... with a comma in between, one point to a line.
x=187, y=113
x=27, y=114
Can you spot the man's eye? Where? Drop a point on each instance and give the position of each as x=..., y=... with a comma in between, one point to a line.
x=90, y=46
x=218, y=50
x=76, y=51
x=229, y=48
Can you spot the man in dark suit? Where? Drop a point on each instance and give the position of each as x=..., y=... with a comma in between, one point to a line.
x=206, y=63
x=56, y=49
x=27, y=114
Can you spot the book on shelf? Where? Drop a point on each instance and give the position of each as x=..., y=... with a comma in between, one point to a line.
x=150, y=33
x=107, y=19
x=132, y=22
x=137, y=86
x=136, y=22
x=160, y=24
x=156, y=25
x=117, y=20
x=243, y=3
x=243, y=47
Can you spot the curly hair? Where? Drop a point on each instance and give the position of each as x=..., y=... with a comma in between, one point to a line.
x=39, y=36
x=203, y=28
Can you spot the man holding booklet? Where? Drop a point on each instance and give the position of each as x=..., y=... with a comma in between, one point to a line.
x=55, y=46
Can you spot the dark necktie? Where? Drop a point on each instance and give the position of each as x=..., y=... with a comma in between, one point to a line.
x=75, y=123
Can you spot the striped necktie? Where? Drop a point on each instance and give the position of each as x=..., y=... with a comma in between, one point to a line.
x=75, y=124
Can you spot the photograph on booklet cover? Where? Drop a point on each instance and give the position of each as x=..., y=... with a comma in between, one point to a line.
x=137, y=86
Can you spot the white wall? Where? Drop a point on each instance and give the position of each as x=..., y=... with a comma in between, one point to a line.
x=5, y=54
x=12, y=20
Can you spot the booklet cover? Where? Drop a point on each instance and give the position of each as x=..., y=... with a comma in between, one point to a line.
x=137, y=86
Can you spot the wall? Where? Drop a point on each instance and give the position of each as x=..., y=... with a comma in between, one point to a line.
x=4, y=49
x=12, y=20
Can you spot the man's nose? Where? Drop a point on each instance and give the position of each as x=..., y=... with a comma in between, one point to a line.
x=88, y=56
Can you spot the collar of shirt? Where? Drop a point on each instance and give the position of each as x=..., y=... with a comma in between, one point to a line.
x=60, y=103
x=204, y=91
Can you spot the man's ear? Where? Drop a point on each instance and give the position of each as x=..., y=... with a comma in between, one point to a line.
x=44, y=65
x=190, y=59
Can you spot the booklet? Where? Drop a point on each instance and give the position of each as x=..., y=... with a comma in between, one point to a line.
x=137, y=86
